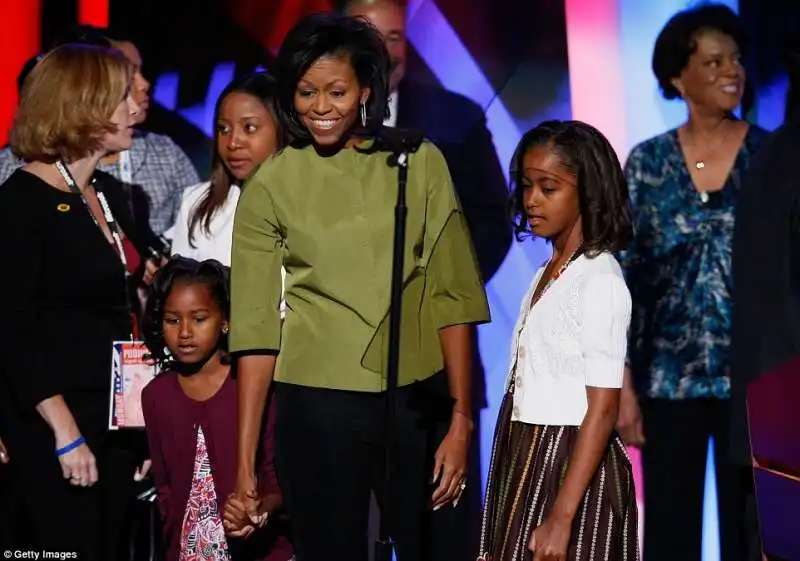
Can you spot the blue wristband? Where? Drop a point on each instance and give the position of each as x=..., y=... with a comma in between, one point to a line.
x=71, y=446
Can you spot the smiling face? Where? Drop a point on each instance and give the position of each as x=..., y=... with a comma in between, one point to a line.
x=246, y=134
x=550, y=194
x=714, y=78
x=327, y=99
x=192, y=322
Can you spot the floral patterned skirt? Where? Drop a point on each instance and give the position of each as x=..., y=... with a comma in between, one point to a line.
x=203, y=535
x=528, y=466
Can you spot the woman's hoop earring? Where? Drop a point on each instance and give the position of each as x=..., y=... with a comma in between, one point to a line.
x=363, y=110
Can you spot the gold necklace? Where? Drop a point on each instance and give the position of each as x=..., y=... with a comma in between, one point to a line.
x=700, y=163
x=574, y=255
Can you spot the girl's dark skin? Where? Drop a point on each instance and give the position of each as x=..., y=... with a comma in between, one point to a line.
x=553, y=207
x=193, y=326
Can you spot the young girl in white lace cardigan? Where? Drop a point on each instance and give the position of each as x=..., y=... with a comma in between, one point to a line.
x=561, y=486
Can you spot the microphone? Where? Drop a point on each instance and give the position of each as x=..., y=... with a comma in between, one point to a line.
x=398, y=142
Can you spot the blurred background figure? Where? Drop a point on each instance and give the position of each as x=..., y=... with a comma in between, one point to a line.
x=766, y=274
x=456, y=125
x=684, y=186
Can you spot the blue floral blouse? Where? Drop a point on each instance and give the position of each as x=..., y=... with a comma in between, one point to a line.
x=678, y=270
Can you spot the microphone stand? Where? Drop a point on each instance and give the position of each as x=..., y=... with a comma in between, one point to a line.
x=400, y=143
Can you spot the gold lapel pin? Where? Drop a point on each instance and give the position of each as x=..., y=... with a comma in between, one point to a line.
x=63, y=207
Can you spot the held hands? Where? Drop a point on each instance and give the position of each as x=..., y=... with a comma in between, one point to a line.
x=4, y=458
x=450, y=463
x=78, y=464
x=236, y=521
x=244, y=511
x=550, y=541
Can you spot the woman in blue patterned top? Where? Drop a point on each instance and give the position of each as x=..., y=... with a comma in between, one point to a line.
x=684, y=184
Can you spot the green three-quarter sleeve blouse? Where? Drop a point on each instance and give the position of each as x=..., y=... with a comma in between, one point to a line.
x=330, y=222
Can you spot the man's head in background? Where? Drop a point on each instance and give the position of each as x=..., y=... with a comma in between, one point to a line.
x=140, y=88
x=389, y=17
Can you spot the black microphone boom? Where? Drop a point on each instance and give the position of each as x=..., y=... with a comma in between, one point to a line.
x=400, y=143
x=396, y=142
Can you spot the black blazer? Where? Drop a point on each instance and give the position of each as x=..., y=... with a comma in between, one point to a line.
x=766, y=273
x=64, y=302
x=457, y=126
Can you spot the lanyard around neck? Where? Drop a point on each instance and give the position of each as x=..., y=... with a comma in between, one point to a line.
x=116, y=234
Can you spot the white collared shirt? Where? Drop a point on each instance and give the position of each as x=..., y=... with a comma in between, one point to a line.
x=215, y=243
x=574, y=337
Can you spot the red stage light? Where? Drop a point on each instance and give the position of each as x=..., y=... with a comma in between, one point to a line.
x=18, y=42
x=93, y=12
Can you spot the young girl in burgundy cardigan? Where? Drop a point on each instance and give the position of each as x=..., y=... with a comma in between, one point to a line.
x=190, y=412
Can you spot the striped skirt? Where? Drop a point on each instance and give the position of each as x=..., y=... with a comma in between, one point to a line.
x=528, y=466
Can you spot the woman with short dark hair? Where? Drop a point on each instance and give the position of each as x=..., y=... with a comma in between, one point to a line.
x=325, y=39
x=323, y=208
x=684, y=187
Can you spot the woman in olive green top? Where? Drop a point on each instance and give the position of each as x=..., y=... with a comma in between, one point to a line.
x=324, y=209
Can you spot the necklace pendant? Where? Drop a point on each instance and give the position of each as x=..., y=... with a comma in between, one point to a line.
x=704, y=196
x=699, y=164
